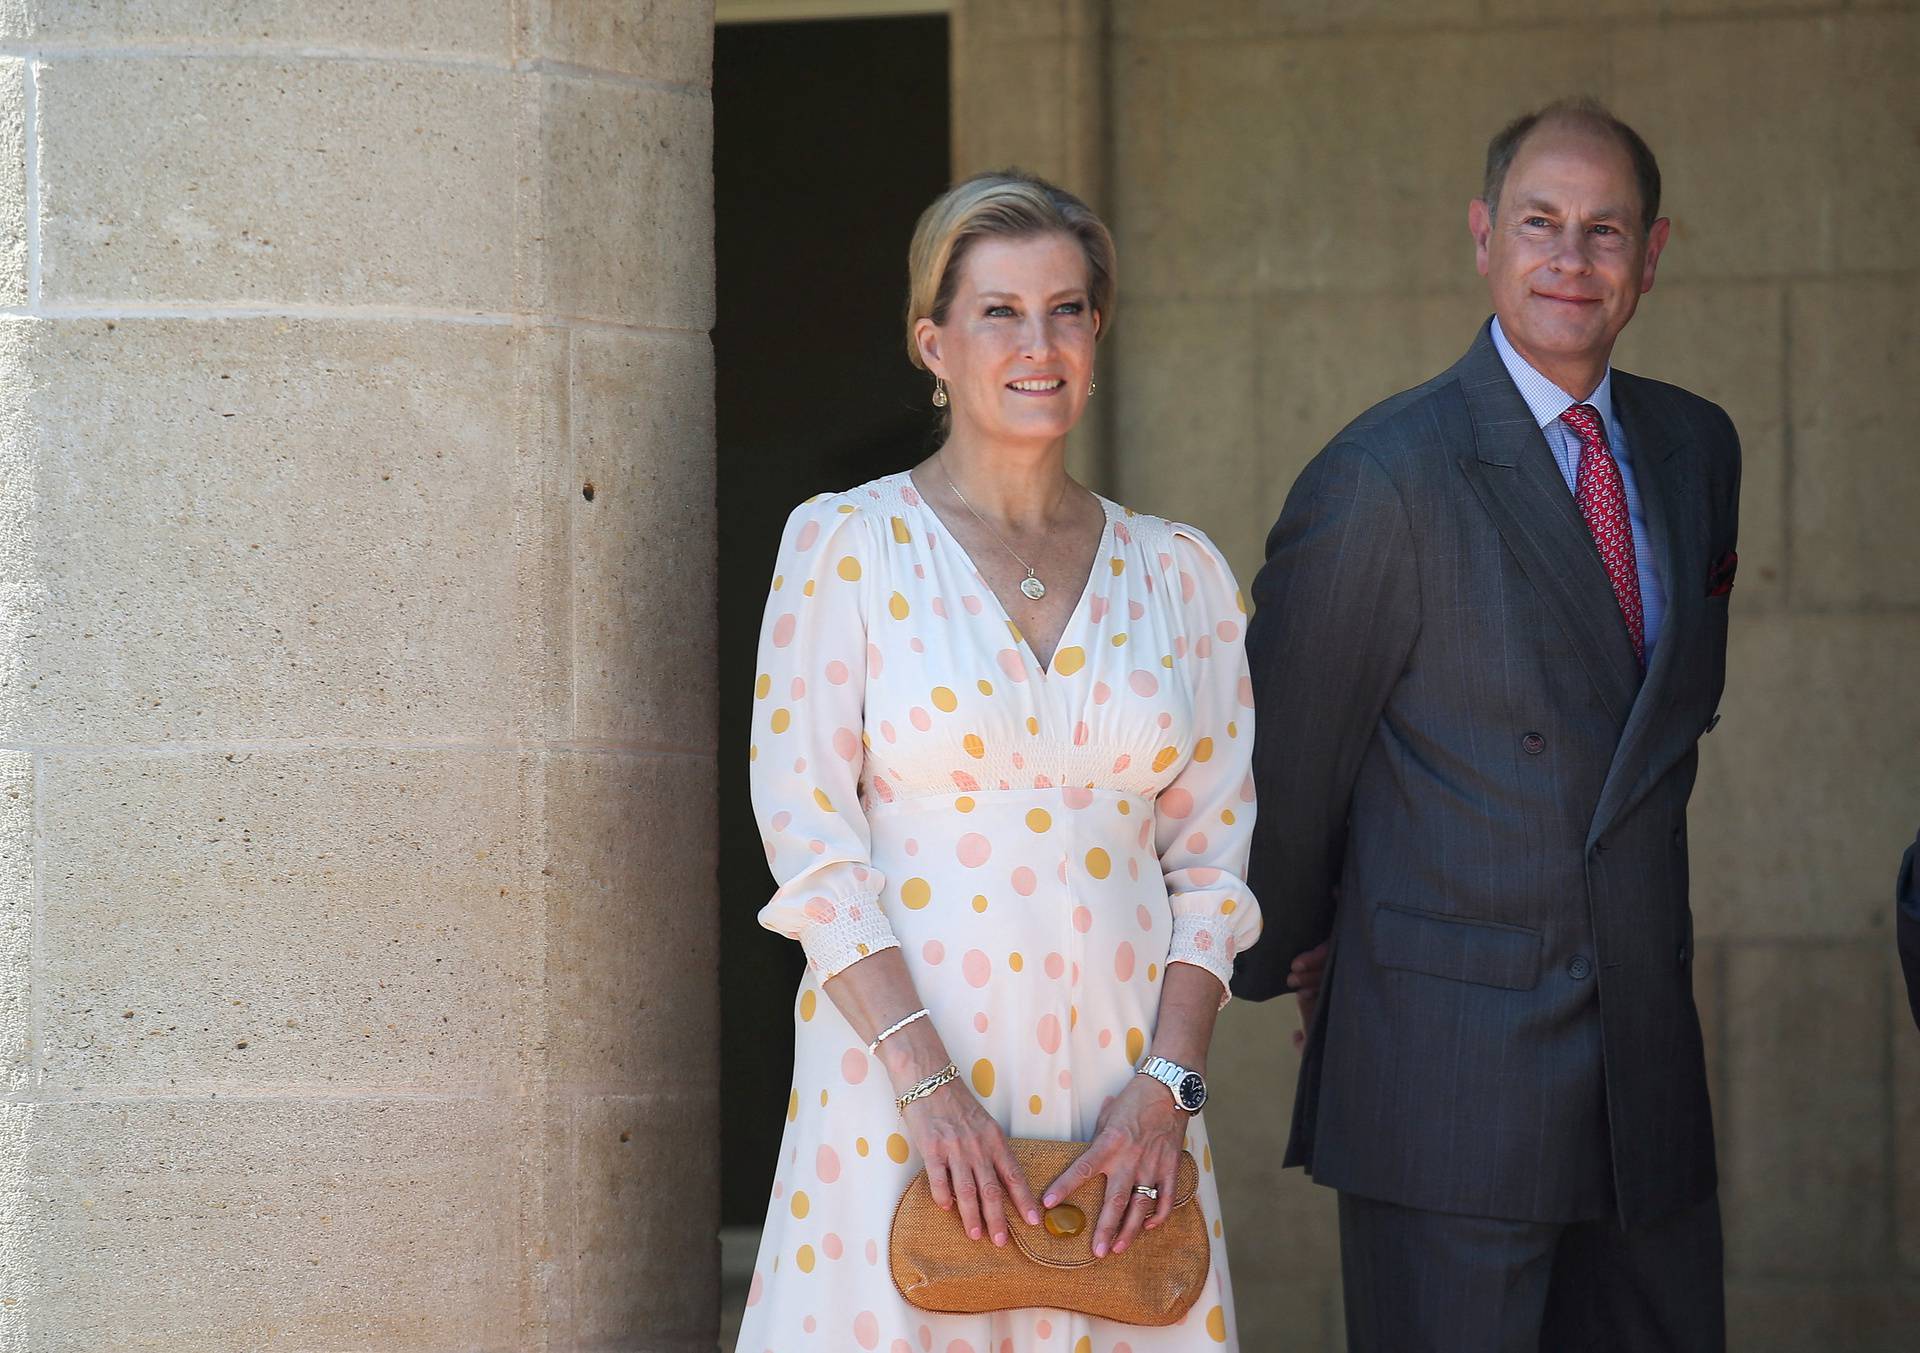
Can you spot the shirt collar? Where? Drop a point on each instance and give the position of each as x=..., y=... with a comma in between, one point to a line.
x=1545, y=400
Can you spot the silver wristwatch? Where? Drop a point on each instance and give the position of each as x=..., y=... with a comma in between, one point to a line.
x=1189, y=1087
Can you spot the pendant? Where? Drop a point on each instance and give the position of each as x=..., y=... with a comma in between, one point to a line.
x=1033, y=587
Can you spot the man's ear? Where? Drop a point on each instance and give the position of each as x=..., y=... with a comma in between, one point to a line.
x=1480, y=226
x=1656, y=245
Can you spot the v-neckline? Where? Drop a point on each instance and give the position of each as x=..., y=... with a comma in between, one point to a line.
x=1101, y=549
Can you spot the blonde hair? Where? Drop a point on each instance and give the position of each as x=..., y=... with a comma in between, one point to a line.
x=1008, y=204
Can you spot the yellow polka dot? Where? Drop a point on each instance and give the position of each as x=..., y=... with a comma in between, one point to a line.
x=793, y=1105
x=901, y=534
x=1033, y=725
x=1136, y=1044
x=983, y=1078
x=823, y=1099
x=979, y=902
x=974, y=747
x=1126, y=808
x=753, y=753
x=1206, y=1157
x=866, y=740
x=1203, y=750
x=1033, y=1104
x=1098, y=863
x=800, y=1205
x=897, y=1149
x=850, y=569
x=1014, y=630
x=1233, y=728
x=897, y=606
x=781, y=718
x=1153, y=972
x=963, y=804
x=860, y=1147
x=1073, y=1017
x=863, y=951
x=1166, y=661
x=1164, y=757
x=1118, y=566
x=779, y=581
x=986, y=687
x=1228, y=907
x=1240, y=602
x=1069, y=660
x=944, y=700
x=1216, y=1228
x=807, y=590
x=1084, y=1344
x=1039, y=820
x=820, y=797
x=915, y=894
x=807, y=1003
x=844, y=508
x=804, y=1258
x=1217, y=1325
x=1015, y=962
x=1226, y=816
x=1119, y=640
x=762, y=686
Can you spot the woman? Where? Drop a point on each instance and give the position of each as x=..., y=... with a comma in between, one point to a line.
x=1001, y=746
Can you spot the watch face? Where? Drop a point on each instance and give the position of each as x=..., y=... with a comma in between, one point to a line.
x=1193, y=1091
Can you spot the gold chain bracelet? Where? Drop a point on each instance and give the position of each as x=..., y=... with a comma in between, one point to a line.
x=950, y=1072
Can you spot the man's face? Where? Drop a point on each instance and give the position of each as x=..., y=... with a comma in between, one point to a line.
x=1564, y=252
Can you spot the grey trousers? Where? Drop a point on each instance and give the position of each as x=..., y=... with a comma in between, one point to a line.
x=1428, y=1282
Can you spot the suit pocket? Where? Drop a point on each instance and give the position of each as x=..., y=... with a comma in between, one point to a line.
x=1483, y=952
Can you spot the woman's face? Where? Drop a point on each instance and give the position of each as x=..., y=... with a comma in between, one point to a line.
x=1016, y=350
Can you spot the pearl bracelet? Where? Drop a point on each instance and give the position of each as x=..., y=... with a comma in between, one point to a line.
x=926, y=1087
x=892, y=1029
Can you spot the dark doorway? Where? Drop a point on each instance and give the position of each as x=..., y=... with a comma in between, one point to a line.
x=829, y=139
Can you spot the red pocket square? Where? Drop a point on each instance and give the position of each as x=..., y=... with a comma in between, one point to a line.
x=1720, y=576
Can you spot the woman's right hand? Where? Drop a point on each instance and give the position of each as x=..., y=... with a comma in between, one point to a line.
x=969, y=1163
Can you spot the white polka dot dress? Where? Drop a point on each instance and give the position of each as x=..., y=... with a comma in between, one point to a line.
x=1039, y=844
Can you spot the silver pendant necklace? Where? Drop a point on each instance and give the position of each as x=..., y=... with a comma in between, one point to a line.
x=1030, y=586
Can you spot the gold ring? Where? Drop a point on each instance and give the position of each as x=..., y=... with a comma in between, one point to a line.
x=1147, y=1191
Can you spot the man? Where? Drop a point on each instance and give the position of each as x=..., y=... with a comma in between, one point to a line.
x=1906, y=898
x=1491, y=629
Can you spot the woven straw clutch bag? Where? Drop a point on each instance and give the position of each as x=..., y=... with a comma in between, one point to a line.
x=937, y=1268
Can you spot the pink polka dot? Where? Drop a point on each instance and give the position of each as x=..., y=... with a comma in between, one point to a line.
x=1061, y=870
x=1197, y=843
x=980, y=1021
x=965, y=781
x=1176, y=803
x=1203, y=646
x=1054, y=965
x=1246, y=790
x=875, y=663
x=799, y=688
x=1121, y=762
x=780, y=821
x=914, y=499
x=847, y=744
x=1076, y=974
x=1101, y=693
x=960, y=1346
x=1202, y=940
x=899, y=1346
x=853, y=1065
x=831, y=1242
x=926, y=1337
x=974, y=850
x=940, y=607
x=1048, y=1032
x=1097, y=608
x=779, y=1189
x=866, y=1329
x=1246, y=692
x=1082, y=920
x=887, y=730
x=1123, y=962
x=1187, y=586
x=1227, y=630
x=935, y=953
x=1165, y=720
x=873, y=1252
x=826, y=1164
x=783, y=631
x=809, y=532
x=809, y=1324
x=1081, y=733
x=837, y=672
x=1136, y=609
x=883, y=789
x=1204, y=875
x=817, y=847
x=756, y=1289
x=917, y=644
x=800, y=765
x=1044, y=1328
x=1123, y=1347
x=1075, y=797
x=1012, y=665
x=1143, y=682
x=1133, y=869
x=1179, y=645
x=919, y=718
x=972, y=604
x=820, y=910
x=912, y=846
x=1066, y=1080
x=1144, y=917
x=1024, y=881
x=977, y=968
x=1106, y=1038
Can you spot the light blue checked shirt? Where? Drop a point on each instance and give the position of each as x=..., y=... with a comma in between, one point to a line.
x=1547, y=401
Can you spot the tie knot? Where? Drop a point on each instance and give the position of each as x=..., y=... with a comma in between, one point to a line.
x=1584, y=419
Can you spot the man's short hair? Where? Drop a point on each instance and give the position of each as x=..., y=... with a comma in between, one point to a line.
x=1590, y=112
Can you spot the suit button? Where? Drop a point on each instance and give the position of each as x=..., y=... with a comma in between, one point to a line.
x=1533, y=744
x=1683, y=955
x=1579, y=968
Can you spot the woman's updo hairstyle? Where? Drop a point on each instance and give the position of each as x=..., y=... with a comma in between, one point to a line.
x=1005, y=204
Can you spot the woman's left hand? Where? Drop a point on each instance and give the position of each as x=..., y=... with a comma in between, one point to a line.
x=1138, y=1140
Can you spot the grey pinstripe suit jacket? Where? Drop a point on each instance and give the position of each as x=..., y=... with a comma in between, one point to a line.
x=1453, y=733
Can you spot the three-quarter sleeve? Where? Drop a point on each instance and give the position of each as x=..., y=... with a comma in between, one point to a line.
x=808, y=739
x=1203, y=820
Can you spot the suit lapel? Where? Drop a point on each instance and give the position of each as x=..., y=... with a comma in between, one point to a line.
x=1651, y=444
x=1513, y=473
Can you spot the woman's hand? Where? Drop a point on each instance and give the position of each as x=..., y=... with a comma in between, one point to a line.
x=1303, y=979
x=1138, y=1140
x=968, y=1161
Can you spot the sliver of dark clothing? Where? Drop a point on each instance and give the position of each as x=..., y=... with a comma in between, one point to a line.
x=1480, y=1285
x=1907, y=925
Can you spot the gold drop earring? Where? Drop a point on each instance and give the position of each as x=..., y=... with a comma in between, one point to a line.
x=939, y=393
x=1091, y=387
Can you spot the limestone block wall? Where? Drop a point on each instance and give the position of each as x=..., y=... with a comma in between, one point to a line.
x=357, y=973
x=1288, y=183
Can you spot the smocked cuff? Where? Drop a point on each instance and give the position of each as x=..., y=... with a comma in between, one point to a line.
x=856, y=928
x=1205, y=942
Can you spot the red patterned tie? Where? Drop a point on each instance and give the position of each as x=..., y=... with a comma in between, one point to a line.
x=1602, y=496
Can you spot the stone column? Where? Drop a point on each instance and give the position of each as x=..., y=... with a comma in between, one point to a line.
x=357, y=973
